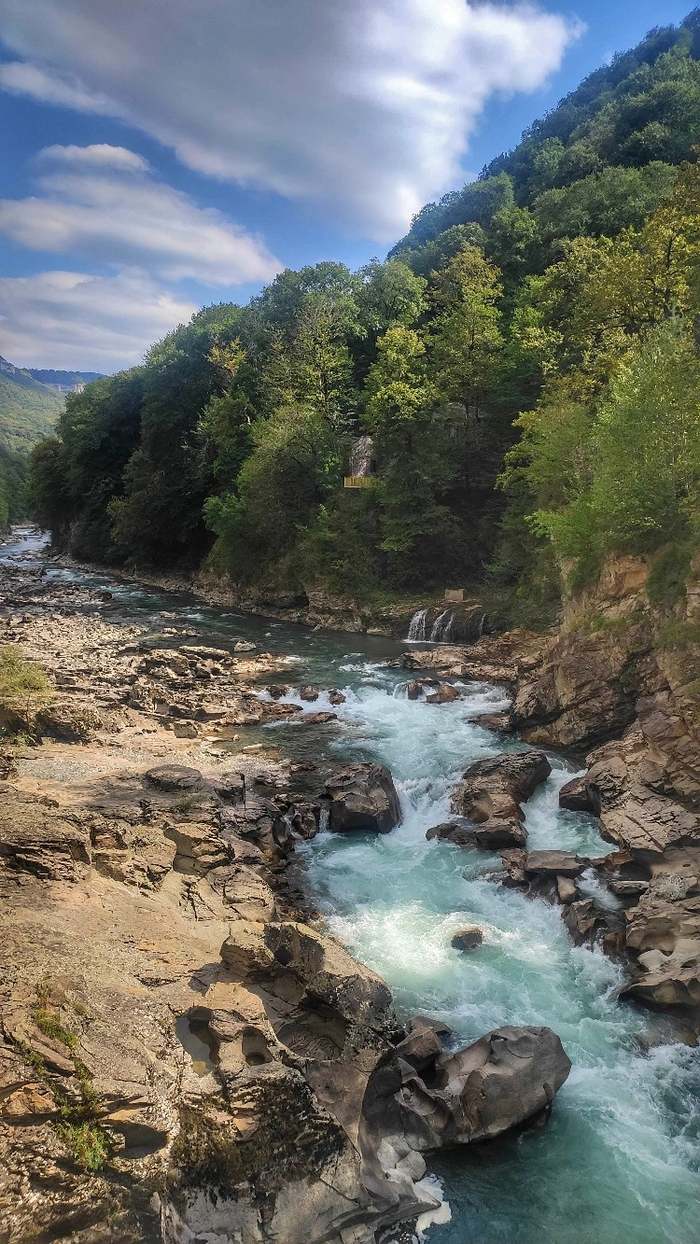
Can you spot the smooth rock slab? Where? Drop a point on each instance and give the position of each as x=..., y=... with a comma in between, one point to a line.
x=174, y=777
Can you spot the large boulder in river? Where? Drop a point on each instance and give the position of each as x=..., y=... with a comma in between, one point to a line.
x=490, y=796
x=426, y=1097
x=363, y=797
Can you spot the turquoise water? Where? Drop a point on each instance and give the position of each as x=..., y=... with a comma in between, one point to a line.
x=618, y=1162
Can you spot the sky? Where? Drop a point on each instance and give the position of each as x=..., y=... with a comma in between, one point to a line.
x=160, y=155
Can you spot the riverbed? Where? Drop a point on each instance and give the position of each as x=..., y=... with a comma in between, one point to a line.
x=618, y=1162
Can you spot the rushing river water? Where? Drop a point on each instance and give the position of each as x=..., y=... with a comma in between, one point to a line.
x=619, y=1160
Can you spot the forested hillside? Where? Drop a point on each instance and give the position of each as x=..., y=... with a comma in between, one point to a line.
x=28, y=411
x=525, y=362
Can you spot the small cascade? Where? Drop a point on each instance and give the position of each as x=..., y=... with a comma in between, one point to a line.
x=416, y=630
x=442, y=627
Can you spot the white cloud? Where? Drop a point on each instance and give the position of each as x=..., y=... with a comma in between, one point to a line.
x=90, y=323
x=101, y=204
x=98, y=155
x=21, y=78
x=363, y=107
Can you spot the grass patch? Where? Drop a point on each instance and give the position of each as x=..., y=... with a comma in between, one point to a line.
x=86, y=1142
x=78, y=1124
x=49, y=1023
x=680, y=635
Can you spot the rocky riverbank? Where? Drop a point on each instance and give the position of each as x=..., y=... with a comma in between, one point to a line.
x=620, y=683
x=186, y=1054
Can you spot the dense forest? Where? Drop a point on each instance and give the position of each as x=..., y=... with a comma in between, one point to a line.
x=525, y=362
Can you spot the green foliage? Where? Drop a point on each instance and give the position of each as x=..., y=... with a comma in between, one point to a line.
x=626, y=475
x=28, y=411
x=24, y=687
x=13, y=487
x=86, y=1142
x=669, y=573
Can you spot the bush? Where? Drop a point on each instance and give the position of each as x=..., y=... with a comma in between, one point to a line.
x=24, y=688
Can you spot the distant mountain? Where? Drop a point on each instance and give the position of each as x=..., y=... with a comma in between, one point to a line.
x=28, y=409
x=64, y=381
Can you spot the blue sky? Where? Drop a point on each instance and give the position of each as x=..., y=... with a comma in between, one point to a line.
x=163, y=154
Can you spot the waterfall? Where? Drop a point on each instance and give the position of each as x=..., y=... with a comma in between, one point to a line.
x=416, y=630
x=442, y=627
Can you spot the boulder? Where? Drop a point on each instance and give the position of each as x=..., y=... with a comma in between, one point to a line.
x=467, y=939
x=501, y=722
x=430, y=1098
x=445, y=694
x=309, y=694
x=575, y=796
x=566, y=890
x=363, y=797
x=582, y=920
x=554, y=863
x=174, y=778
x=491, y=793
x=490, y=836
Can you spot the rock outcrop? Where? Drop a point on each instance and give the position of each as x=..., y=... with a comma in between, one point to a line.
x=489, y=799
x=363, y=798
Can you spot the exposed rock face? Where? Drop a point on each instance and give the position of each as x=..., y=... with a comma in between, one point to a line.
x=490, y=796
x=363, y=797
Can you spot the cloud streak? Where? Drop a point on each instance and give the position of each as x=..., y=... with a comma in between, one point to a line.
x=71, y=320
x=101, y=204
x=361, y=109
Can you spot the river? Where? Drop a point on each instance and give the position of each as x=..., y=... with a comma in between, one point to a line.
x=619, y=1160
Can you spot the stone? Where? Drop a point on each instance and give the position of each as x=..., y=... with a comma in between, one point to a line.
x=363, y=798
x=492, y=791
x=453, y=1098
x=174, y=778
x=566, y=890
x=308, y=694
x=445, y=694
x=244, y=645
x=330, y=974
x=575, y=796
x=555, y=863
x=467, y=939
x=245, y=951
x=582, y=920
x=336, y=697
x=501, y=722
